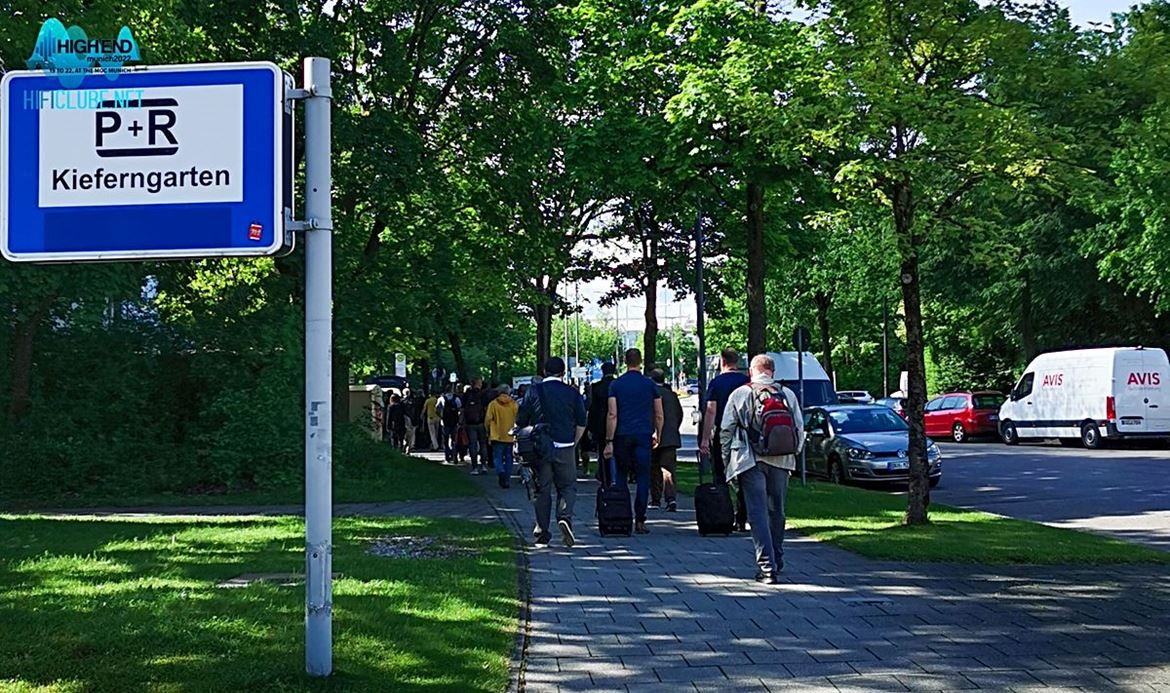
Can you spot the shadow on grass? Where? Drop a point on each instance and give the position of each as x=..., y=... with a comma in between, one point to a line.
x=115, y=605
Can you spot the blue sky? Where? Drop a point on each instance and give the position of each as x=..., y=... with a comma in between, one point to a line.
x=1084, y=11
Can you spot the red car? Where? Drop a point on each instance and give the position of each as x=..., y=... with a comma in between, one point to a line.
x=963, y=415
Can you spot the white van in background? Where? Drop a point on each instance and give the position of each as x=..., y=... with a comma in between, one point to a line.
x=818, y=388
x=1091, y=395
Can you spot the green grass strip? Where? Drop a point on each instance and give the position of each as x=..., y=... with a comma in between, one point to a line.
x=118, y=605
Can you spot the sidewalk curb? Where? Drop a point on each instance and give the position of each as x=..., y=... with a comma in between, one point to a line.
x=519, y=658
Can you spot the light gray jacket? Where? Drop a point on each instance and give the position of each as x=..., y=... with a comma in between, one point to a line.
x=738, y=455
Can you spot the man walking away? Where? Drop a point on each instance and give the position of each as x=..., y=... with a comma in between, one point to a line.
x=633, y=429
x=434, y=421
x=474, y=409
x=395, y=420
x=599, y=411
x=560, y=406
x=664, y=457
x=763, y=479
x=448, y=408
x=500, y=420
x=718, y=390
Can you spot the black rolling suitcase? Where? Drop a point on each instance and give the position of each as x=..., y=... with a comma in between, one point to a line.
x=713, y=509
x=614, y=513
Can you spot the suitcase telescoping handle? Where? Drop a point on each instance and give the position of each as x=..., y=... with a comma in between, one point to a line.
x=699, y=458
x=612, y=471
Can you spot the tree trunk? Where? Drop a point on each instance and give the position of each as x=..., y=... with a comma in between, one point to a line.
x=543, y=312
x=424, y=366
x=457, y=353
x=823, y=301
x=650, y=336
x=1027, y=323
x=918, y=498
x=543, y=315
x=757, y=313
x=20, y=399
x=340, y=389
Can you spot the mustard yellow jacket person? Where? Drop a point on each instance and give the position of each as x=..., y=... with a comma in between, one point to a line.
x=501, y=418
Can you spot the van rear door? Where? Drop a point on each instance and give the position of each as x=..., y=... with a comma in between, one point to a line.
x=1130, y=391
x=1154, y=393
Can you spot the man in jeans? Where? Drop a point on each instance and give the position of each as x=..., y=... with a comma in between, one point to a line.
x=474, y=410
x=664, y=458
x=560, y=406
x=764, y=480
x=633, y=429
x=449, y=413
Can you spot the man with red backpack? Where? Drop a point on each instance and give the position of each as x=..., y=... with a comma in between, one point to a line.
x=761, y=433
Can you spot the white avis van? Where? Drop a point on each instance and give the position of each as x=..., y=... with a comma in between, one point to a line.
x=1090, y=394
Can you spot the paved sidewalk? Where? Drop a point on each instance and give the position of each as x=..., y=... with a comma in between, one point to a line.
x=675, y=612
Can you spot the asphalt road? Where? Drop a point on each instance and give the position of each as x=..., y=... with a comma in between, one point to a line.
x=1122, y=492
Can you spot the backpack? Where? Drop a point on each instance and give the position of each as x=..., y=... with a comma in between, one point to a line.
x=473, y=407
x=772, y=429
x=450, y=411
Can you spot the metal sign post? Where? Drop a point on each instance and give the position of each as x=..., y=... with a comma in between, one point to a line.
x=801, y=337
x=318, y=227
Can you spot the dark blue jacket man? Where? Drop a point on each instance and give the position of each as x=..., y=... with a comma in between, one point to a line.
x=561, y=407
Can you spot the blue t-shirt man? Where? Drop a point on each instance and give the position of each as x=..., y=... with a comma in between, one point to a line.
x=635, y=415
x=721, y=388
x=635, y=395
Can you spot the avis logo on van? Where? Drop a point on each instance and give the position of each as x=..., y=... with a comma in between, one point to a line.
x=1053, y=380
x=1154, y=378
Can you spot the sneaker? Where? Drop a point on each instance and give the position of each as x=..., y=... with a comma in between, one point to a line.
x=767, y=578
x=640, y=528
x=672, y=507
x=543, y=538
x=567, y=532
x=654, y=506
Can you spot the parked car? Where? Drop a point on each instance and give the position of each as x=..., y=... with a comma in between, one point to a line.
x=858, y=396
x=963, y=415
x=1090, y=394
x=862, y=443
x=692, y=386
x=898, y=404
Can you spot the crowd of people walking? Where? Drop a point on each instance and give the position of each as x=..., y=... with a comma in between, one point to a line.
x=633, y=420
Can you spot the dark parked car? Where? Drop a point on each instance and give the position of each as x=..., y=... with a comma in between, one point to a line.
x=963, y=415
x=862, y=443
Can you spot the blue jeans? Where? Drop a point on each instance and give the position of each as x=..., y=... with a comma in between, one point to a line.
x=764, y=489
x=502, y=457
x=633, y=452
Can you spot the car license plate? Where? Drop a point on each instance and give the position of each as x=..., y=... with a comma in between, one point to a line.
x=1131, y=421
x=993, y=417
x=892, y=466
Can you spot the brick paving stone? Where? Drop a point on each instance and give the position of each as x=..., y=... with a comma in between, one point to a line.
x=673, y=611
x=690, y=674
x=861, y=684
x=935, y=682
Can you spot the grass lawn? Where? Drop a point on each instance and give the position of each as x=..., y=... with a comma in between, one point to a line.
x=869, y=522
x=385, y=475
x=117, y=605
